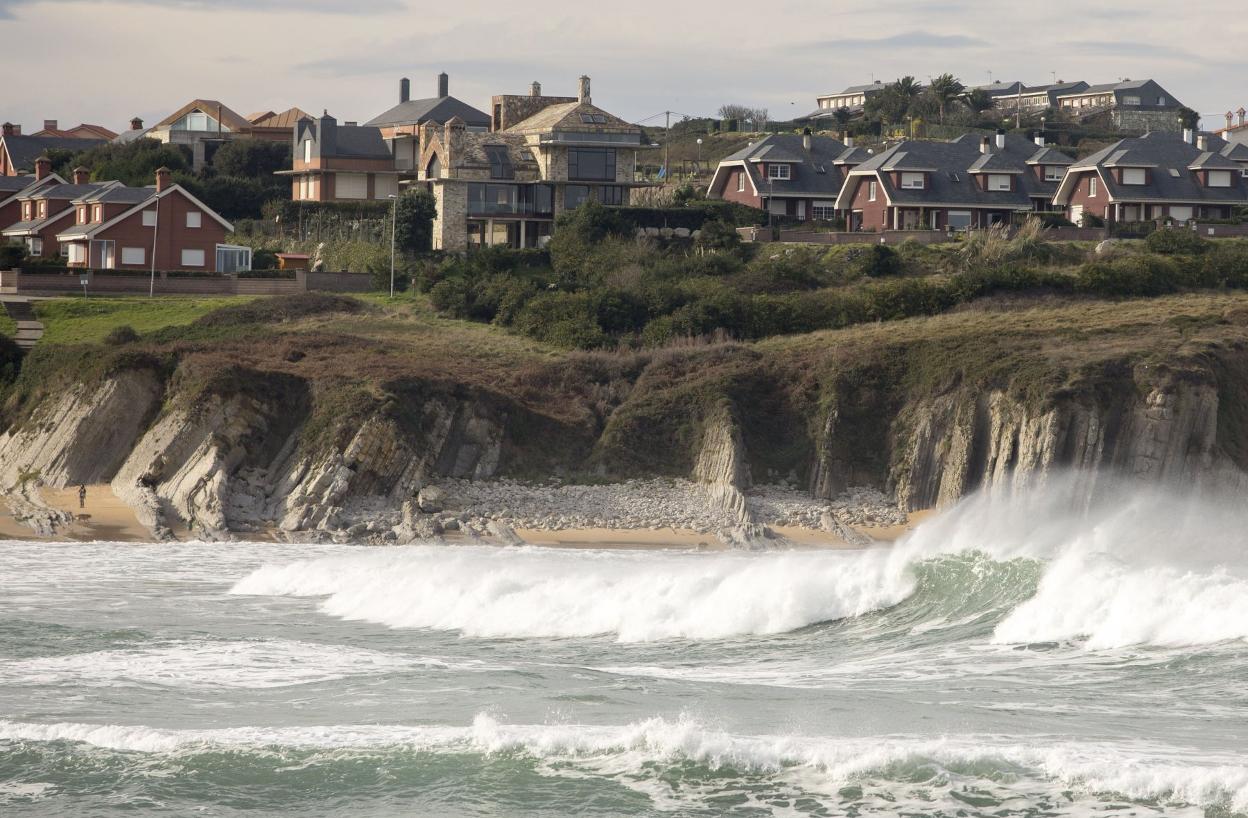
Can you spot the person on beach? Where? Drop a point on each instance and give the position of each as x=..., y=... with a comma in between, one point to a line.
x=82, y=496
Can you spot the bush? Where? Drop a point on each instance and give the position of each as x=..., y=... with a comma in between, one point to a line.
x=880, y=260
x=718, y=234
x=1226, y=265
x=12, y=255
x=118, y=336
x=1129, y=276
x=563, y=319
x=1176, y=241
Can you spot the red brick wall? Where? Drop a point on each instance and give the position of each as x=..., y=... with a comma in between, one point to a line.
x=874, y=214
x=746, y=197
x=172, y=236
x=10, y=214
x=1079, y=196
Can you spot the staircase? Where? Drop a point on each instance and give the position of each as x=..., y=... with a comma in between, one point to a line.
x=29, y=330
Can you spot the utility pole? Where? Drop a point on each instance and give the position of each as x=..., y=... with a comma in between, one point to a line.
x=394, y=218
x=667, y=147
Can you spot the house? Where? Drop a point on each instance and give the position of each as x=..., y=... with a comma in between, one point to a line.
x=14, y=188
x=274, y=127
x=1031, y=99
x=1136, y=106
x=135, y=131
x=400, y=125
x=1158, y=176
x=1237, y=132
x=1001, y=91
x=19, y=151
x=150, y=228
x=82, y=131
x=334, y=163
x=969, y=182
x=788, y=175
x=507, y=187
x=854, y=98
x=202, y=125
x=48, y=210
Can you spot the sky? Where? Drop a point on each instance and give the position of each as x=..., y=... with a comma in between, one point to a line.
x=105, y=61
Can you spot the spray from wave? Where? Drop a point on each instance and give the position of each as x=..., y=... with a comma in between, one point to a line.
x=1133, y=567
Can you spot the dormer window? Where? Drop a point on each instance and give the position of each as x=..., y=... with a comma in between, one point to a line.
x=43, y=210
x=999, y=182
x=1134, y=176
x=25, y=211
x=913, y=181
x=1053, y=173
x=82, y=214
x=307, y=150
x=778, y=171
x=1219, y=178
x=97, y=213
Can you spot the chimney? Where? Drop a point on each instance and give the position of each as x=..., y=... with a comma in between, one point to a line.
x=164, y=178
x=444, y=85
x=136, y=124
x=405, y=90
x=1040, y=138
x=452, y=134
x=1229, y=117
x=1000, y=140
x=9, y=129
x=806, y=138
x=1189, y=136
x=81, y=176
x=985, y=145
x=1242, y=113
x=43, y=167
x=326, y=135
x=50, y=125
x=1202, y=142
x=583, y=95
x=535, y=90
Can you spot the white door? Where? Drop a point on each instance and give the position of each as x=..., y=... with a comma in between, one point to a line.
x=801, y=209
x=1076, y=215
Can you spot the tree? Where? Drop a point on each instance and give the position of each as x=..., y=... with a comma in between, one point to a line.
x=842, y=116
x=945, y=89
x=256, y=159
x=890, y=105
x=759, y=116
x=1189, y=118
x=737, y=112
x=132, y=163
x=415, y=211
x=979, y=100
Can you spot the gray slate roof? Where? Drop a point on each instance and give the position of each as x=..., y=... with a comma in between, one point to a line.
x=12, y=184
x=123, y=195
x=952, y=182
x=812, y=173
x=24, y=150
x=131, y=135
x=360, y=141
x=1164, y=152
x=437, y=109
x=66, y=192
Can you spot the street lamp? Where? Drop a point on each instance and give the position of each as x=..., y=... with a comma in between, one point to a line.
x=394, y=217
x=699, y=154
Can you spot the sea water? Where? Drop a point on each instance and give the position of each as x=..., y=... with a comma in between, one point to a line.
x=1027, y=656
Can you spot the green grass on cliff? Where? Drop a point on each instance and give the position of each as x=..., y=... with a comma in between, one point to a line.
x=90, y=320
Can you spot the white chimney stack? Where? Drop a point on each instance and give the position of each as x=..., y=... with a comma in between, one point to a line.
x=1000, y=140
x=1040, y=138
x=1189, y=136
x=806, y=139
x=1202, y=142
x=849, y=141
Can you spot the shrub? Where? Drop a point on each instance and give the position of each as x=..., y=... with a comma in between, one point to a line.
x=1129, y=276
x=880, y=260
x=717, y=234
x=12, y=255
x=1226, y=265
x=1176, y=241
x=452, y=296
x=118, y=336
x=562, y=319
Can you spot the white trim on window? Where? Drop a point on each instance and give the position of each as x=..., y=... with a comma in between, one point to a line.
x=872, y=189
x=779, y=171
x=192, y=258
x=741, y=180
x=194, y=219
x=149, y=218
x=1092, y=187
x=1054, y=173
x=1219, y=178
x=133, y=255
x=1134, y=176
x=913, y=181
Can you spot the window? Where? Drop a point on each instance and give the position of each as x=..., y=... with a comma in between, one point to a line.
x=97, y=213
x=77, y=254
x=594, y=119
x=26, y=211
x=64, y=248
x=231, y=258
x=612, y=195
x=959, y=219
x=913, y=181
x=1134, y=176
x=351, y=185
x=823, y=211
x=575, y=195
x=1053, y=174
x=1181, y=214
x=36, y=245
x=500, y=162
x=43, y=210
x=741, y=181
x=591, y=163
x=133, y=255
x=1092, y=186
x=1130, y=100
x=1219, y=178
x=307, y=150
x=194, y=219
x=192, y=258
x=778, y=171
x=149, y=218
x=999, y=182
x=871, y=191
x=1161, y=100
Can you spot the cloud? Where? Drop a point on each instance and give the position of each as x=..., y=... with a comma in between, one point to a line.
x=1121, y=48
x=7, y=7
x=908, y=39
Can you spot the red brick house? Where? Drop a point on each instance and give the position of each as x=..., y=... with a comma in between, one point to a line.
x=968, y=183
x=162, y=227
x=47, y=210
x=788, y=175
x=82, y=131
x=336, y=163
x=1155, y=177
x=13, y=188
x=19, y=151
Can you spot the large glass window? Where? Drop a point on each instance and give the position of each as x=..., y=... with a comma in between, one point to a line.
x=611, y=195
x=500, y=162
x=509, y=200
x=591, y=163
x=575, y=195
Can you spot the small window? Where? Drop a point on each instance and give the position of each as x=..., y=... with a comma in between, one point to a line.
x=1161, y=100
x=1130, y=100
x=77, y=254
x=741, y=181
x=192, y=258
x=1092, y=186
x=82, y=215
x=871, y=191
x=149, y=218
x=133, y=255
x=1053, y=174
x=1219, y=178
x=1175, y=173
x=912, y=181
x=778, y=171
x=307, y=150
x=97, y=213
x=1134, y=176
x=194, y=219
x=26, y=211
x=43, y=210
x=999, y=182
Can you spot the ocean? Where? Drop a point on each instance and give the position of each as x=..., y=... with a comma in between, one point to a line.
x=1035, y=656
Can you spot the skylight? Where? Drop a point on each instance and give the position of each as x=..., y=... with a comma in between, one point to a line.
x=1175, y=173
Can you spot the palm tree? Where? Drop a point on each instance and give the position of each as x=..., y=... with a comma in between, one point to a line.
x=908, y=88
x=979, y=100
x=945, y=89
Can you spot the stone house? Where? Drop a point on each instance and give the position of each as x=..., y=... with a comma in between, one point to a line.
x=508, y=186
x=1159, y=176
x=1132, y=106
x=788, y=175
x=967, y=183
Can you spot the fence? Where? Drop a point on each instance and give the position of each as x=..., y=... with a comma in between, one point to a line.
x=764, y=234
x=49, y=283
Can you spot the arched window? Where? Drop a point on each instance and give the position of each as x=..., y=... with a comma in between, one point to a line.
x=434, y=169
